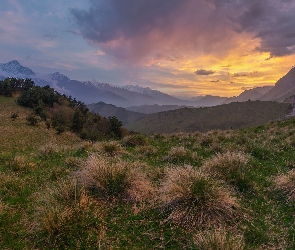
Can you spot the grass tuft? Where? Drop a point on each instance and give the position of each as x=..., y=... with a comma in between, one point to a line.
x=219, y=239
x=115, y=180
x=286, y=183
x=134, y=141
x=231, y=167
x=194, y=199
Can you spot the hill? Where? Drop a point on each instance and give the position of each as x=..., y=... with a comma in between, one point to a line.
x=249, y=94
x=284, y=88
x=149, y=109
x=58, y=192
x=106, y=110
x=227, y=116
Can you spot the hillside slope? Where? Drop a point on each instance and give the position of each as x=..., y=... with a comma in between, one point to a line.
x=284, y=88
x=57, y=192
x=106, y=110
x=228, y=116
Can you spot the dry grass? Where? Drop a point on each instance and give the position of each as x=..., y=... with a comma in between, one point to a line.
x=286, y=183
x=194, y=199
x=115, y=180
x=17, y=135
x=219, y=239
x=134, y=141
x=3, y=207
x=21, y=163
x=147, y=150
x=60, y=207
x=227, y=163
x=49, y=148
x=73, y=162
x=110, y=148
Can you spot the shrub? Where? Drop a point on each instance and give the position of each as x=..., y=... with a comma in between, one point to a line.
x=286, y=183
x=32, y=119
x=195, y=199
x=134, y=140
x=220, y=240
x=115, y=180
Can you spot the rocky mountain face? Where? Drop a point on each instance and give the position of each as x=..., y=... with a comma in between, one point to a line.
x=284, y=88
x=14, y=68
x=249, y=94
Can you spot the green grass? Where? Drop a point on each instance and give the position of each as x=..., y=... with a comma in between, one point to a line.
x=44, y=204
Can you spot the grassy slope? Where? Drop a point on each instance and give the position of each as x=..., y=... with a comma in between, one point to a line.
x=268, y=221
x=229, y=116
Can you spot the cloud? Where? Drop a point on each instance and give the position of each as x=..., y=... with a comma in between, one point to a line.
x=241, y=74
x=272, y=21
x=203, y=72
x=133, y=29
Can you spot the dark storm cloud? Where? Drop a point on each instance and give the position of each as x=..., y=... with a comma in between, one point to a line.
x=203, y=72
x=273, y=21
x=137, y=28
x=107, y=20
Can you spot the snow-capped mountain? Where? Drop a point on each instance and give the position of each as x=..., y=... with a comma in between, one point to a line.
x=138, y=89
x=14, y=68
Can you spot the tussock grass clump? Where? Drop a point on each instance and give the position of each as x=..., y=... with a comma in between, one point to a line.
x=177, y=154
x=146, y=150
x=111, y=148
x=115, y=180
x=134, y=140
x=49, y=148
x=219, y=239
x=3, y=207
x=73, y=162
x=227, y=163
x=65, y=211
x=21, y=163
x=286, y=183
x=194, y=199
x=230, y=166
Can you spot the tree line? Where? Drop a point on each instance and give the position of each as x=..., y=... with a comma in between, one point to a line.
x=61, y=112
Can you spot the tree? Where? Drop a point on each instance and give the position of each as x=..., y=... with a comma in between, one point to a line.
x=115, y=127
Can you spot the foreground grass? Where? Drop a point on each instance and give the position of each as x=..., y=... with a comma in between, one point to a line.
x=215, y=190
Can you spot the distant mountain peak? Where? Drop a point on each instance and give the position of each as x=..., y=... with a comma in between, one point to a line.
x=59, y=77
x=14, y=67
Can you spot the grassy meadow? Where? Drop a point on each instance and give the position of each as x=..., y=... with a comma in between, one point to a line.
x=231, y=189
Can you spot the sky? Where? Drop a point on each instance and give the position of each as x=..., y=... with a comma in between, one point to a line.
x=181, y=47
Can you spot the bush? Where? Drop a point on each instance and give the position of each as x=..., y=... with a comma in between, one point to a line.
x=32, y=119
x=193, y=199
x=115, y=180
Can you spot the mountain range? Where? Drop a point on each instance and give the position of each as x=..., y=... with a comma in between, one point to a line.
x=132, y=95
x=93, y=91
